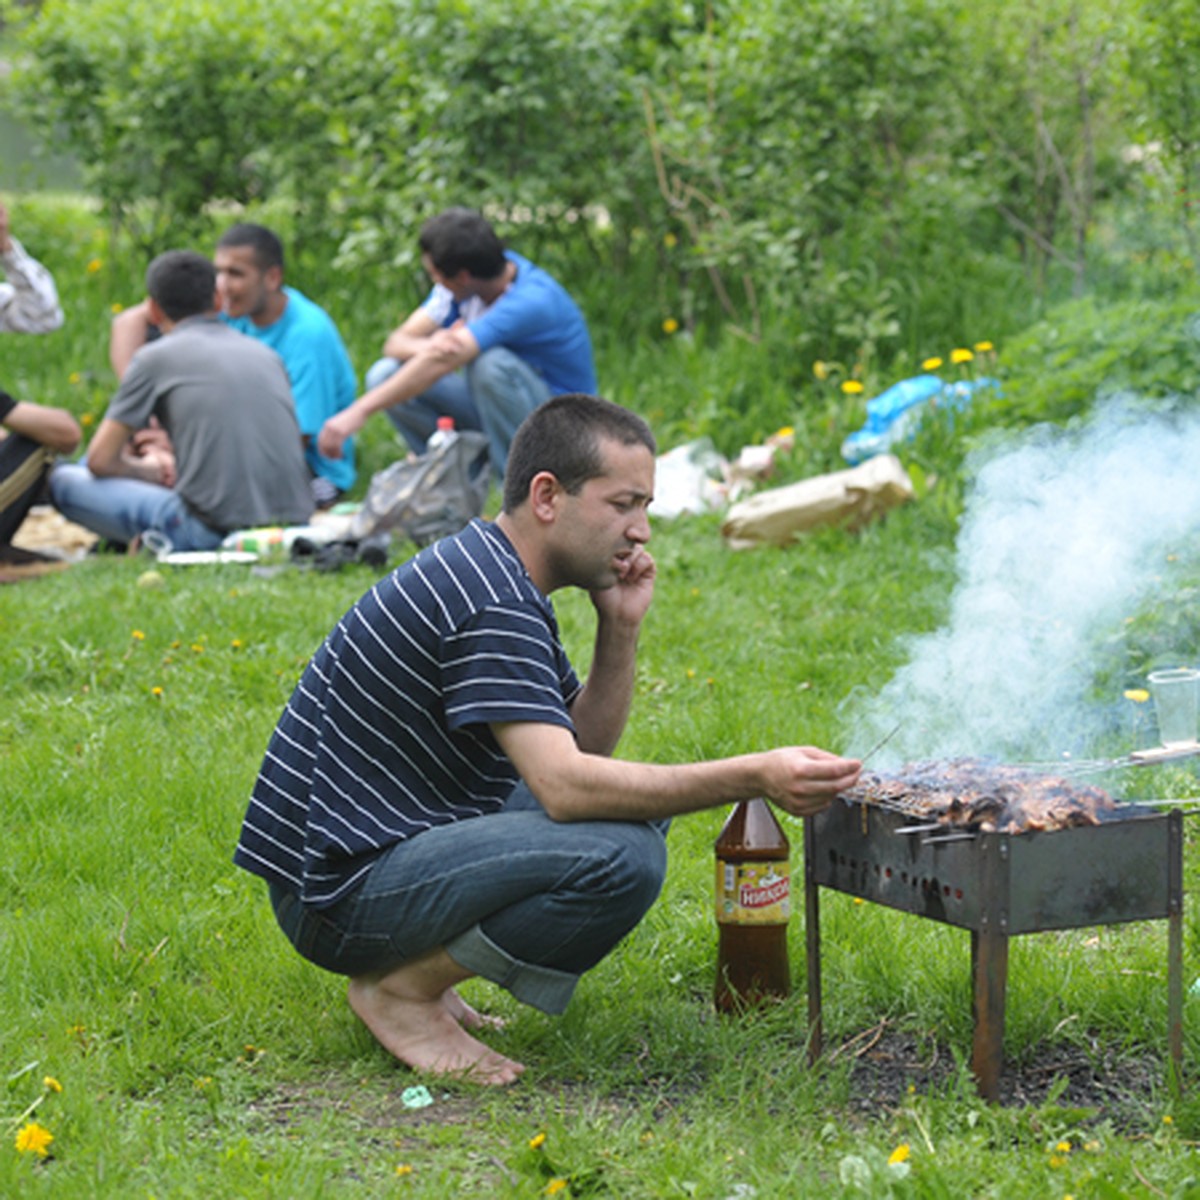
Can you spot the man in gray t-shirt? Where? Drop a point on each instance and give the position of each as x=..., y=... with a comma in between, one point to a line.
x=222, y=398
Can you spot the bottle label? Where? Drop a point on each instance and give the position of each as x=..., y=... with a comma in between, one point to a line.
x=750, y=893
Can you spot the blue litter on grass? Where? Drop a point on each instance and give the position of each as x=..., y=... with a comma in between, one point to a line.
x=894, y=414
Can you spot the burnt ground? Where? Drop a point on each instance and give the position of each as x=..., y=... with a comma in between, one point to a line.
x=888, y=1065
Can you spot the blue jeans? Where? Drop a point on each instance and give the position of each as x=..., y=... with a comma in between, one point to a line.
x=122, y=509
x=514, y=897
x=495, y=393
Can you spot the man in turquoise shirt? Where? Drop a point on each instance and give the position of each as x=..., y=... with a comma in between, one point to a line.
x=254, y=300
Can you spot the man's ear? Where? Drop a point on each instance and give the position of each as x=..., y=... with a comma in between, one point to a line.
x=273, y=278
x=544, y=493
x=155, y=313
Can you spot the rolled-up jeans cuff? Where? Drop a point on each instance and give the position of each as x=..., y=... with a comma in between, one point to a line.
x=543, y=988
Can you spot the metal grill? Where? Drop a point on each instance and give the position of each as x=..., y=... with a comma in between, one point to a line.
x=1000, y=885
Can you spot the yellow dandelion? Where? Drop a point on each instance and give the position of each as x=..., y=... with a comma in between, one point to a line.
x=74, y=378
x=33, y=1138
x=86, y=420
x=932, y=364
x=1063, y=1148
x=51, y=1084
x=236, y=644
x=404, y=1169
x=1168, y=1119
x=156, y=692
x=901, y=1154
x=859, y=900
x=961, y=355
x=821, y=370
x=197, y=648
x=94, y=266
x=785, y=431
x=670, y=325
x=691, y=672
x=203, y=1083
x=1137, y=695
x=984, y=347
x=555, y=1186
x=851, y=387
x=1056, y=1161
x=670, y=241
x=537, y=1141
x=116, y=307
x=138, y=635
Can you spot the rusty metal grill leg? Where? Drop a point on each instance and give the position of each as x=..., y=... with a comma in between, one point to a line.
x=989, y=974
x=812, y=941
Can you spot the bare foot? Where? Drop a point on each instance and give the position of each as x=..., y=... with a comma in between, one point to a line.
x=465, y=1015
x=423, y=1034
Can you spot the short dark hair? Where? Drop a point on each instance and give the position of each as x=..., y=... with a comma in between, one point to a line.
x=268, y=249
x=182, y=283
x=462, y=239
x=563, y=437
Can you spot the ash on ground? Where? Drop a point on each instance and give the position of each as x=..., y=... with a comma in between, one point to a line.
x=888, y=1066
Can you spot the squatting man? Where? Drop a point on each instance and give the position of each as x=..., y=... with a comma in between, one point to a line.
x=439, y=800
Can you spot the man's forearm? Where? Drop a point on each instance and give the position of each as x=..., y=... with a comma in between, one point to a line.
x=601, y=710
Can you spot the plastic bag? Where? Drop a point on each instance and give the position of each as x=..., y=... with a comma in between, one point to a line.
x=688, y=479
x=428, y=497
x=894, y=414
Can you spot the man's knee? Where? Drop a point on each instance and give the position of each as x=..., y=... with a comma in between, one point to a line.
x=381, y=370
x=641, y=863
x=499, y=369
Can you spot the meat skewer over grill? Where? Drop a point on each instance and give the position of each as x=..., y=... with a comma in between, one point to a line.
x=976, y=795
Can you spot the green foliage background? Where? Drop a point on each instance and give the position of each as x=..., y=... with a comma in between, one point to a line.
x=856, y=181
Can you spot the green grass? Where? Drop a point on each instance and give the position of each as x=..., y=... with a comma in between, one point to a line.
x=199, y=1056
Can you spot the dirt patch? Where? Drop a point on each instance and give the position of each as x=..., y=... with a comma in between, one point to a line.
x=889, y=1065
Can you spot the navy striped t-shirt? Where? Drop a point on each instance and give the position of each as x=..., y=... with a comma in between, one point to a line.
x=387, y=733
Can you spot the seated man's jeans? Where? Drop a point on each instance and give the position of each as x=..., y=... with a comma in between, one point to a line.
x=495, y=393
x=122, y=509
x=514, y=897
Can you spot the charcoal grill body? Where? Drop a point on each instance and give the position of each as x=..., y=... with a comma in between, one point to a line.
x=1000, y=885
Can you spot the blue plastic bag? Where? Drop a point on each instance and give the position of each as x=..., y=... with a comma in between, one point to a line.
x=894, y=414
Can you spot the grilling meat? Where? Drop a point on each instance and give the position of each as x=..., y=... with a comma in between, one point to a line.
x=979, y=796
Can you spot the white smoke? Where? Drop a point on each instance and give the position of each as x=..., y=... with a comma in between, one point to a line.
x=1064, y=533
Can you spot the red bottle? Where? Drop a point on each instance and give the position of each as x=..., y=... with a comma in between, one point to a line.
x=753, y=900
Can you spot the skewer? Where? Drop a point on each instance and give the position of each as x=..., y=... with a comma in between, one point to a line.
x=879, y=745
x=950, y=837
x=920, y=828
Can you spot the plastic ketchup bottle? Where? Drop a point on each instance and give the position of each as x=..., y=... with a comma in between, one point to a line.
x=753, y=902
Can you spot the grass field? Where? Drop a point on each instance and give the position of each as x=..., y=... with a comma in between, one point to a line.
x=155, y=1023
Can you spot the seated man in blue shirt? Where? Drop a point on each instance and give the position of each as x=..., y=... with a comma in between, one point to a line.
x=496, y=337
x=254, y=300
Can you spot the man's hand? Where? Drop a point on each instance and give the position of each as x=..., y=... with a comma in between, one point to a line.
x=629, y=599
x=337, y=429
x=803, y=780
